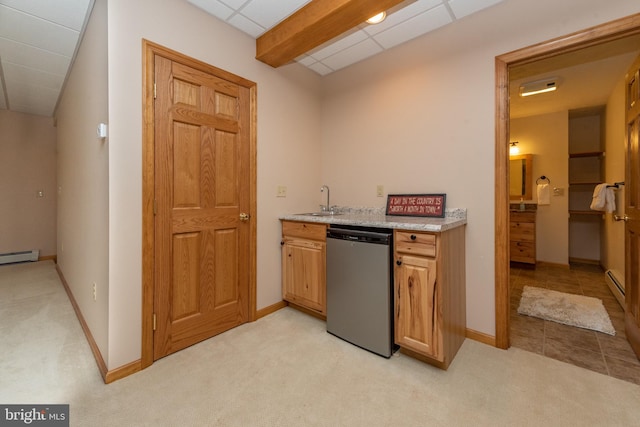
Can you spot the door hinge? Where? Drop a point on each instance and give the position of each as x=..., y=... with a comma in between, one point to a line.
x=154, y=321
x=155, y=207
x=155, y=93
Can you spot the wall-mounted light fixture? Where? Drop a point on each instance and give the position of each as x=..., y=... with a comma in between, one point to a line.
x=376, y=19
x=539, y=86
x=513, y=148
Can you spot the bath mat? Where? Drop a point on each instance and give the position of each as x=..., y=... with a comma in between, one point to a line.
x=569, y=309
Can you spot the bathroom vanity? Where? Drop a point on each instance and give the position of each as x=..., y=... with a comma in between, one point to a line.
x=522, y=233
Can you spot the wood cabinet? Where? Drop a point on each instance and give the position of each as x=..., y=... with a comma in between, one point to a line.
x=304, y=265
x=429, y=294
x=522, y=236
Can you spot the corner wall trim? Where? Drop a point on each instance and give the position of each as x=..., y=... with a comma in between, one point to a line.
x=270, y=309
x=85, y=328
x=107, y=376
x=481, y=337
x=123, y=371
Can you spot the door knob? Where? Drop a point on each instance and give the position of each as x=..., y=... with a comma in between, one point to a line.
x=244, y=217
x=621, y=218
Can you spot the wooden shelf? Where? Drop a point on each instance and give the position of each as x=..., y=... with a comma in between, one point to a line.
x=587, y=154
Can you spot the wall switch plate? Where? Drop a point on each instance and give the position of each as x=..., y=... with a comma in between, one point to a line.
x=558, y=191
x=380, y=190
x=282, y=191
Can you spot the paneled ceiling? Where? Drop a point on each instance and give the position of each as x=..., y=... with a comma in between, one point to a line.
x=38, y=40
x=404, y=22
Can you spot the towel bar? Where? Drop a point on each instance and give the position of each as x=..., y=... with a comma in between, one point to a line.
x=615, y=185
x=543, y=178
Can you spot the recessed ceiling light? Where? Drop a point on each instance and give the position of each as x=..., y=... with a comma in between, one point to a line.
x=377, y=18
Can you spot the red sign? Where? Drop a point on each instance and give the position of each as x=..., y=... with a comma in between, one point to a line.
x=430, y=205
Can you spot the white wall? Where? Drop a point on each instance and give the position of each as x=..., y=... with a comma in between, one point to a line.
x=613, y=253
x=420, y=118
x=82, y=170
x=546, y=137
x=288, y=145
x=27, y=166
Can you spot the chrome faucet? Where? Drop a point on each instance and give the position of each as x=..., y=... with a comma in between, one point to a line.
x=326, y=207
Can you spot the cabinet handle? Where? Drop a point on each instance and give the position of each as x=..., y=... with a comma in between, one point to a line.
x=281, y=242
x=399, y=262
x=413, y=237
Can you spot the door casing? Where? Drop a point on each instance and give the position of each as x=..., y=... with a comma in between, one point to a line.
x=149, y=51
x=607, y=32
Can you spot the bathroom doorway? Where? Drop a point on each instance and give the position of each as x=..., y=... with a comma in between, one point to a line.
x=606, y=33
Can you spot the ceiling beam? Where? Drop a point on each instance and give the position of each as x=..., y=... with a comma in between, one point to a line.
x=314, y=24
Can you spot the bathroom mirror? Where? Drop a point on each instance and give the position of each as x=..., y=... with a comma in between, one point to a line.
x=520, y=167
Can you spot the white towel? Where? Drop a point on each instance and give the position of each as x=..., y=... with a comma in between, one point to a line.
x=543, y=194
x=604, y=199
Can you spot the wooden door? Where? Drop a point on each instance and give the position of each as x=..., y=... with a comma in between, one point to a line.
x=202, y=199
x=416, y=305
x=632, y=208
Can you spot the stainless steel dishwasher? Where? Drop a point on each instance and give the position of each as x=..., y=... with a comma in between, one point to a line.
x=359, y=287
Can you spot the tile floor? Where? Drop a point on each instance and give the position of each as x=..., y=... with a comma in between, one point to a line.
x=609, y=355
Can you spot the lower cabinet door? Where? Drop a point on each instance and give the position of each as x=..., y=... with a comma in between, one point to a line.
x=303, y=273
x=417, y=306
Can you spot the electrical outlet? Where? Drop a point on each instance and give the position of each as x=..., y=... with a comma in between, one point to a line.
x=558, y=191
x=95, y=291
x=40, y=193
x=282, y=191
x=380, y=190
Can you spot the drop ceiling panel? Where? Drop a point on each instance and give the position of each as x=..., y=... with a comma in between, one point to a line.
x=19, y=26
x=338, y=46
x=17, y=74
x=320, y=68
x=267, y=13
x=414, y=27
x=214, y=7
x=29, y=56
x=353, y=54
x=402, y=15
x=68, y=13
x=246, y=25
x=462, y=8
x=29, y=95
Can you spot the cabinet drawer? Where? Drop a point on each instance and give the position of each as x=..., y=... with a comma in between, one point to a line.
x=523, y=252
x=522, y=216
x=305, y=230
x=524, y=231
x=415, y=243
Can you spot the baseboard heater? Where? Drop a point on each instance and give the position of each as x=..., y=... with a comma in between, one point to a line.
x=615, y=286
x=19, y=256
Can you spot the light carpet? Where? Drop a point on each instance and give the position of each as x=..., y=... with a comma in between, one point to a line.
x=568, y=309
x=286, y=370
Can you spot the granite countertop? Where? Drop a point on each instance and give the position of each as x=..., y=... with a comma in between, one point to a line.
x=375, y=217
